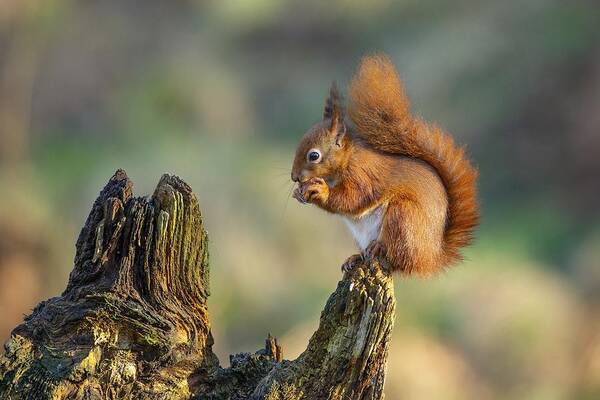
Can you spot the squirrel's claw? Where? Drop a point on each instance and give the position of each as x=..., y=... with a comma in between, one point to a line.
x=352, y=262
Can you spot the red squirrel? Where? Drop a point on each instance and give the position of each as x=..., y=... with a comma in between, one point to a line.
x=406, y=191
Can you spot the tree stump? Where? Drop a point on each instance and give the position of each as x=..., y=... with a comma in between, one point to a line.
x=133, y=321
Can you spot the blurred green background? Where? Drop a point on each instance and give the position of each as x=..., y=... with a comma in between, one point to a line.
x=219, y=92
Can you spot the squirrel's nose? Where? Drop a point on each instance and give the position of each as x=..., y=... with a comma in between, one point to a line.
x=295, y=177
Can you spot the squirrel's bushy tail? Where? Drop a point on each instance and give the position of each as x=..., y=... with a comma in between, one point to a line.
x=380, y=110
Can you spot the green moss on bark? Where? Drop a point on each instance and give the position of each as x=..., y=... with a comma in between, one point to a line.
x=133, y=321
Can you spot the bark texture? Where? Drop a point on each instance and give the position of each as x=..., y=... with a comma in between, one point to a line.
x=133, y=321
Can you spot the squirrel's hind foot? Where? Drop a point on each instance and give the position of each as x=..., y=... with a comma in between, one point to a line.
x=375, y=250
x=352, y=262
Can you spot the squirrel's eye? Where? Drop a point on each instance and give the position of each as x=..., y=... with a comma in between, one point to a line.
x=314, y=155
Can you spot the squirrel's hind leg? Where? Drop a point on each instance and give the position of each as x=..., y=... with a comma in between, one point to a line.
x=394, y=236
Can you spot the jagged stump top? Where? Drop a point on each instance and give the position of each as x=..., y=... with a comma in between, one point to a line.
x=133, y=321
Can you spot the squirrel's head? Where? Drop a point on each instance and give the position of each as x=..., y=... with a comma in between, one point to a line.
x=322, y=151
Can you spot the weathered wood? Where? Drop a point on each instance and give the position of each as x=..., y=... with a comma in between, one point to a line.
x=346, y=356
x=133, y=321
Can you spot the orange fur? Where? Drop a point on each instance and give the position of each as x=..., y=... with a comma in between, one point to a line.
x=380, y=110
x=393, y=162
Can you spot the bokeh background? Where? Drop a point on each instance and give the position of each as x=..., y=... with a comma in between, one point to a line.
x=219, y=92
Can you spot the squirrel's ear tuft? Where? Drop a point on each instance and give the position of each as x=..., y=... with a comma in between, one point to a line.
x=335, y=112
x=333, y=105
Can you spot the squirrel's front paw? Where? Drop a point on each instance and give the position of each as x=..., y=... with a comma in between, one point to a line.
x=314, y=190
x=375, y=249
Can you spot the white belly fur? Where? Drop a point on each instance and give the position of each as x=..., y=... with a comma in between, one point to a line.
x=366, y=227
